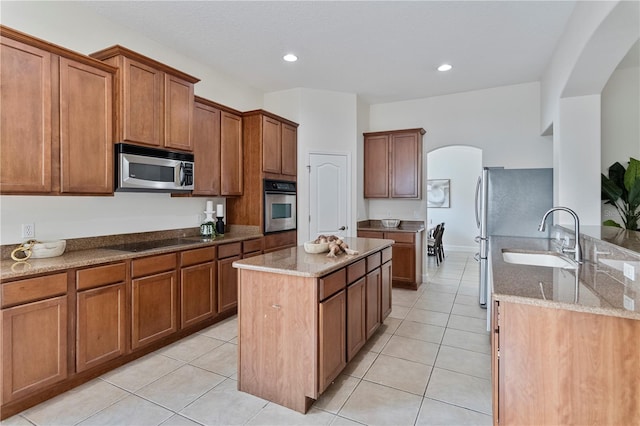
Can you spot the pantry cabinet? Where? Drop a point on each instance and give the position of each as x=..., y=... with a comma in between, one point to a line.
x=56, y=119
x=154, y=293
x=393, y=164
x=101, y=320
x=154, y=101
x=217, y=149
x=34, y=335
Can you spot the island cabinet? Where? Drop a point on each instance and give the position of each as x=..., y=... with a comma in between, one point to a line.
x=101, y=314
x=154, y=295
x=34, y=335
x=154, y=101
x=407, y=252
x=56, y=119
x=217, y=148
x=393, y=164
x=297, y=331
x=553, y=366
x=198, y=296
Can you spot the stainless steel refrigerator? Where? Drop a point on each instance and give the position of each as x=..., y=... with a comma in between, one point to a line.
x=509, y=202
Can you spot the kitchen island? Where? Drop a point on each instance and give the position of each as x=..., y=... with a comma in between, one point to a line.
x=302, y=317
x=564, y=341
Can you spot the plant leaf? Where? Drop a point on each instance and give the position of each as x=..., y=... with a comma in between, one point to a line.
x=610, y=222
x=633, y=198
x=610, y=191
x=616, y=174
x=632, y=174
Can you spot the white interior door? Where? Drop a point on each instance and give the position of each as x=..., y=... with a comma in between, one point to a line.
x=329, y=195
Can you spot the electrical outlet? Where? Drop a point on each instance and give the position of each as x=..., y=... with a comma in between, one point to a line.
x=28, y=230
x=629, y=271
x=628, y=303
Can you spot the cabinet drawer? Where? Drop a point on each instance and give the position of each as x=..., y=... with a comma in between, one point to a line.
x=101, y=275
x=356, y=270
x=153, y=265
x=386, y=254
x=32, y=289
x=373, y=261
x=281, y=239
x=194, y=257
x=369, y=234
x=252, y=245
x=332, y=283
x=228, y=250
x=400, y=237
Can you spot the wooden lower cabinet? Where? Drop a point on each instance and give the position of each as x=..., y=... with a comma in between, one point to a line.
x=373, y=301
x=385, y=290
x=356, y=309
x=34, y=347
x=280, y=240
x=228, y=276
x=197, y=293
x=154, y=299
x=553, y=366
x=332, y=319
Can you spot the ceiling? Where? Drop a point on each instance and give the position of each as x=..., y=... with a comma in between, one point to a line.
x=384, y=51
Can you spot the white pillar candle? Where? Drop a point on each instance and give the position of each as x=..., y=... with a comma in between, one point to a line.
x=220, y=210
x=209, y=206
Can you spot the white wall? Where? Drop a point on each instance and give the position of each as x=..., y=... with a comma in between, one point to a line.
x=459, y=218
x=70, y=25
x=328, y=124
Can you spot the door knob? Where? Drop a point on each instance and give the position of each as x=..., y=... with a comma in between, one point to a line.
x=342, y=228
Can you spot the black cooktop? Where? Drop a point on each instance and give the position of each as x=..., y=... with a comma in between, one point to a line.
x=150, y=245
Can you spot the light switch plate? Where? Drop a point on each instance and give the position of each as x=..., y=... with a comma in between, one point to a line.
x=628, y=303
x=629, y=271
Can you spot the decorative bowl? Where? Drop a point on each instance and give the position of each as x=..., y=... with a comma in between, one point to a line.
x=44, y=249
x=311, y=247
x=390, y=223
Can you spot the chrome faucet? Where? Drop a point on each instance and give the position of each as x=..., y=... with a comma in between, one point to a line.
x=576, y=250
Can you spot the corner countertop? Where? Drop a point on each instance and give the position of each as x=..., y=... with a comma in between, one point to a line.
x=99, y=255
x=591, y=288
x=413, y=226
x=296, y=261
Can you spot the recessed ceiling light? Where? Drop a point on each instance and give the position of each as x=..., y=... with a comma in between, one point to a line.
x=444, y=67
x=290, y=57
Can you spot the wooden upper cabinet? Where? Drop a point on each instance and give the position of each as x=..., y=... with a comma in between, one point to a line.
x=271, y=145
x=393, y=164
x=289, y=141
x=155, y=101
x=56, y=119
x=25, y=72
x=206, y=148
x=231, y=154
x=86, y=143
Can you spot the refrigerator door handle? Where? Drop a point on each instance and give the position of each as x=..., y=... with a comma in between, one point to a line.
x=478, y=201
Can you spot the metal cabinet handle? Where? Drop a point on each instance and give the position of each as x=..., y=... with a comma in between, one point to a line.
x=276, y=306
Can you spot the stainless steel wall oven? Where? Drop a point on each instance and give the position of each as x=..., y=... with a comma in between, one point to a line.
x=279, y=206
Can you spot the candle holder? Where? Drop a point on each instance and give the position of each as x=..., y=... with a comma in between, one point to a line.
x=219, y=225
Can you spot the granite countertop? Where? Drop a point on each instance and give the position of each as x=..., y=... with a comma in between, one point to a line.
x=296, y=261
x=590, y=288
x=98, y=255
x=405, y=226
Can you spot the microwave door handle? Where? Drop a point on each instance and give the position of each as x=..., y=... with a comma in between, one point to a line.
x=182, y=174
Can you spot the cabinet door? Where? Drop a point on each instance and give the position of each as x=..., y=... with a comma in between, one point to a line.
x=231, y=154
x=206, y=149
x=289, y=150
x=271, y=145
x=404, y=263
x=373, y=301
x=227, y=284
x=178, y=113
x=86, y=133
x=197, y=293
x=153, y=308
x=25, y=126
x=376, y=166
x=356, y=310
x=385, y=290
x=142, y=109
x=34, y=347
x=101, y=325
x=406, y=165
x=332, y=329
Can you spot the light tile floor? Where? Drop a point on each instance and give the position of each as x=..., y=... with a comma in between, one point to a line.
x=429, y=364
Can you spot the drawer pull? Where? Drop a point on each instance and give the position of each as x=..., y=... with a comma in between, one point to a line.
x=276, y=306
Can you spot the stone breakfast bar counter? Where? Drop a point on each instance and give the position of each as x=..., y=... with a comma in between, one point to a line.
x=302, y=317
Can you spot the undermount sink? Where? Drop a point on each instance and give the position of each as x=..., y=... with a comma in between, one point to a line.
x=550, y=258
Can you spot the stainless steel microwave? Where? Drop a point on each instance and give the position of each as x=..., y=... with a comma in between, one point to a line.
x=145, y=169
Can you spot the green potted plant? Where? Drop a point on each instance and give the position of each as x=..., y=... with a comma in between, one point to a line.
x=622, y=190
